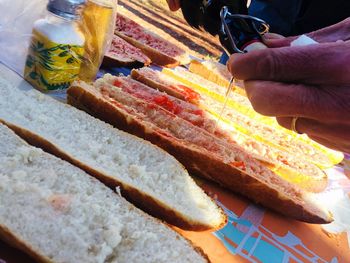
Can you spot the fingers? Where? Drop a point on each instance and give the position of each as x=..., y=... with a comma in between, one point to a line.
x=329, y=135
x=335, y=145
x=271, y=36
x=174, y=5
x=339, y=31
x=314, y=64
x=283, y=100
x=303, y=125
x=273, y=40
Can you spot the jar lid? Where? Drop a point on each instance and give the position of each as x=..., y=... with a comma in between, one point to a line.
x=70, y=9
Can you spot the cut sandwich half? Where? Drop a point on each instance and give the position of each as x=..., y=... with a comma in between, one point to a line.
x=55, y=212
x=159, y=50
x=240, y=114
x=201, y=152
x=292, y=168
x=121, y=53
x=148, y=176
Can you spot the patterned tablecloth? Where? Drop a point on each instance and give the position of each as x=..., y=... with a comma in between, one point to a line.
x=254, y=234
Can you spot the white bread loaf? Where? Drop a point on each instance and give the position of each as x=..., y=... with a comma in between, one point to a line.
x=149, y=177
x=55, y=212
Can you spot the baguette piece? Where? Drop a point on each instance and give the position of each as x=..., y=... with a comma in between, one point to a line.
x=198, y=150
x=214, y=72
x=265, y=128
x=121, y=54
x=148, y=176
x=55, y=212
x=159, y=50
x=293, y=169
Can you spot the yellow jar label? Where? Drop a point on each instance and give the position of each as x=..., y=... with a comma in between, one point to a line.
x=52, y=66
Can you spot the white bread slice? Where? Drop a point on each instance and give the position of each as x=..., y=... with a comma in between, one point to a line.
x=149, y=177
x=55, y=212
x=201, y=153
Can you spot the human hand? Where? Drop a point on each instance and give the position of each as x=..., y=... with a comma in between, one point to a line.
x=174, y=5
x=340, y=31
x=310, y=82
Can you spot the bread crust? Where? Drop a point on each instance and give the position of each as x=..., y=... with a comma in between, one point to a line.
x=141, y=200
x=10, y=238
x=197, y=160
x=156, y=57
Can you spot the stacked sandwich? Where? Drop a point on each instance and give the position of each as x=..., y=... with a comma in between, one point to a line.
x=176, y=110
